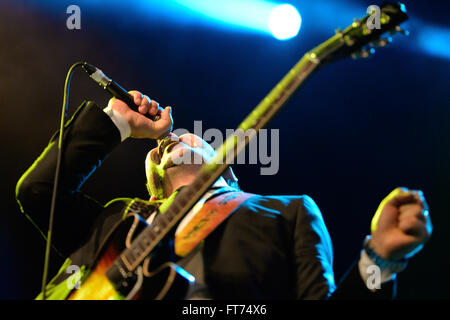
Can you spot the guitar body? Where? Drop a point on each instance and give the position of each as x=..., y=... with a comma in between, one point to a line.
x=155, y=280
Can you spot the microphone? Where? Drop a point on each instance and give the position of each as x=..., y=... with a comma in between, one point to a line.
x=114, y=88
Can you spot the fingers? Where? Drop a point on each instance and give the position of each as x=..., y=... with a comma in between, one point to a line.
x=398, y=198
x=149, y=106
x=413, y=215
x=414, y=220
x=401, y=196
x=414, y=225
x=166, y=114
x=164, y=125
x=155, y=108
x=412, y=210
x=142, y=127
x=145, y=104
x=137, y=96
x=401, y=225
x=421, y=199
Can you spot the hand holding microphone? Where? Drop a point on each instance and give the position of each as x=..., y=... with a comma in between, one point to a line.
x=145, y=117
x=140, y=124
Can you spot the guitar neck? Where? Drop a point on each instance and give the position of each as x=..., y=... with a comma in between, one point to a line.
x=264, y=112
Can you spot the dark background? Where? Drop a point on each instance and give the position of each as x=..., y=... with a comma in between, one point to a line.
x=354, y=132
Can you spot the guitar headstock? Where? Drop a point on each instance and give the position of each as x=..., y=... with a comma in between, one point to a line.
x=359, y=39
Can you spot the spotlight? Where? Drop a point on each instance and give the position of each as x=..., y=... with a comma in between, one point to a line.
x=434, y=40
x=284, y=22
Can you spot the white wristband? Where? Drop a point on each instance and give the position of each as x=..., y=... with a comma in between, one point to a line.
x=121, y=123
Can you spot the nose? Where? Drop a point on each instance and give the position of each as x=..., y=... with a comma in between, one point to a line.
x=165, y=142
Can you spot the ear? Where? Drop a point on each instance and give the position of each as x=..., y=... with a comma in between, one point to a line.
x=228, y=174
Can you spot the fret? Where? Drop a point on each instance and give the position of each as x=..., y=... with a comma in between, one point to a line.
x=156, y=229
x=161, y=222
x=142, y=245
x=129, y=256
x=203, y=177
x=173, y=209
x=188, y=192
x=199, y=182
x=147, y=238
x=169, y=215
x=150, y=236
x=182, y=201
x=137, y=249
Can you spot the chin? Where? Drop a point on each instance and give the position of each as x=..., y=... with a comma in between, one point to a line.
x=183, y=168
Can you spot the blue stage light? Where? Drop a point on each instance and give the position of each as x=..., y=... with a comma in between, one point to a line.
x=284, y=22
x=435, y=40
x=242, y=14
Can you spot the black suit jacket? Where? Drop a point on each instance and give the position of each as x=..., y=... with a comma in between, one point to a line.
x=271, y=247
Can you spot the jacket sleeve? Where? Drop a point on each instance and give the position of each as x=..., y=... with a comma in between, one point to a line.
x=88, y=138
x=352, y=287
x=313, y=253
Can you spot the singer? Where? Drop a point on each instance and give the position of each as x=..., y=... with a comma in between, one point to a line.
x=266, y=247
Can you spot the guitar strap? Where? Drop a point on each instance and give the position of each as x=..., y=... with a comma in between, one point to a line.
x=204, y=218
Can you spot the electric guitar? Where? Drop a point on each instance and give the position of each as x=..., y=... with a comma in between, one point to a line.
x=122, y=269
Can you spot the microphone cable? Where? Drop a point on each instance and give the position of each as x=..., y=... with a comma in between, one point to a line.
x=64, y=109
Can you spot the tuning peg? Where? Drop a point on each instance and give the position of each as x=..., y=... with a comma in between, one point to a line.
x=349, y=40
x=402, y=31
x=383, y=42
x=363, y=53
x=367, y=53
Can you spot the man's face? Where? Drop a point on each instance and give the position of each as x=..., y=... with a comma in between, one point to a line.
x=175, y=161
